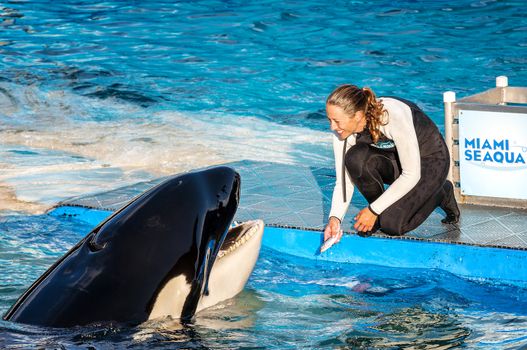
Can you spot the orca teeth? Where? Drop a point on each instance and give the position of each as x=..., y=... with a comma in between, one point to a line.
x=247, y=235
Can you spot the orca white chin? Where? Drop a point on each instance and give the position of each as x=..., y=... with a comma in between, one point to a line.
x=231, y=270
x=235, y=263
x=239, y=235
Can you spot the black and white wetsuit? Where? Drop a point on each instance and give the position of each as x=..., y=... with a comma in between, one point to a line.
x=411, y=157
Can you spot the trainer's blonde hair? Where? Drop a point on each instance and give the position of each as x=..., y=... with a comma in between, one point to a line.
x=352, y=99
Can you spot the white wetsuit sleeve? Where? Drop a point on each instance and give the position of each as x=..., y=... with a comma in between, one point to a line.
x=400, y=129
x=338, y=205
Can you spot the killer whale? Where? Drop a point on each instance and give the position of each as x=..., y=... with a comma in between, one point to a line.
x=157, y=249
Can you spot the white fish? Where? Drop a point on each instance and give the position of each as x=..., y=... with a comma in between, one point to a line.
x=328, y=243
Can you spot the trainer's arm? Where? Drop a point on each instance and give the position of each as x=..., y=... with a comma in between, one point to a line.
x=401, y=130
x=338, y=205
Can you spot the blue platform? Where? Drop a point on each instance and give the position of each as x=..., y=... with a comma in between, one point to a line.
x=488, y=244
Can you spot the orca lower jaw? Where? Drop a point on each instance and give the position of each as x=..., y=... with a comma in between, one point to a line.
x=240, y=235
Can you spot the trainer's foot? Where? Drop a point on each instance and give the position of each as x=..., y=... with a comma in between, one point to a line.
x=450, y=219
x=449, y=205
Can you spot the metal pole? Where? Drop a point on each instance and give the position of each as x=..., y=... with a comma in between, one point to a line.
x=449, y=98
x=502, y=82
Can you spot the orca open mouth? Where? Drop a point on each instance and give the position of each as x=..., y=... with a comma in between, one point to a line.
x=240, y=234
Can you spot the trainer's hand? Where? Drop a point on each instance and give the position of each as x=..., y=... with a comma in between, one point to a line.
x=365, y=220
x=333, y=229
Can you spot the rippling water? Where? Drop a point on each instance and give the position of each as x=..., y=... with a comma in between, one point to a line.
x=94, y=95
x=288, y=303
x=99, y=94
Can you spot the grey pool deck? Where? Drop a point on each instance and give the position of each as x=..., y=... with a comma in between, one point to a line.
x=299, y=197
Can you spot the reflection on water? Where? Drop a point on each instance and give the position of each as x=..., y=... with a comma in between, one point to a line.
x=415, y=326
x=144, y=89
x=43, y=164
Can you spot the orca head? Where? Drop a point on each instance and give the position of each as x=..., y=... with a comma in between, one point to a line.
x=172, y=232
x=177, y=230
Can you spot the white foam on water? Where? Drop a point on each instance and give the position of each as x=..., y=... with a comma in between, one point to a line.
x=52, y=148
x=348, y=282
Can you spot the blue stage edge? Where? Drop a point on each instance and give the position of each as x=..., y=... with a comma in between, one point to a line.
x=500, y=265
x=489, y=264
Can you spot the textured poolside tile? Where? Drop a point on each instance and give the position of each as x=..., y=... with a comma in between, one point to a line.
x=274, y=177
x=250, y=188
x=277, y=189
x=309, y=194
x=326, y=179
x=524, y=233
x=326, y=197
x=251, y=204
x=428, y=231
x=328, y=187
x=245, y=167
x=246, y=215
x=464, y=238
x=324, y=182
x=430, y=227
x=326, y=203
x=359, y=200
x=290, y=219
x=299, y=205
x=298, y=181
x=485, y=232
x=271, y=205
x=516, y=222
x=269, y=217
x=453, y=235
x=114, y=198
x=306, y=179
x=349, y=221
x=484, y=211
x=523, y=237
x=119, y=205
x=308, y=220
x=272, y=170
x=251, y=199
x=279, y=192
x=313, y=218
x=512, y=241
x=469, y=218
x=498, y=212
x=98, y=202
x=325, y=176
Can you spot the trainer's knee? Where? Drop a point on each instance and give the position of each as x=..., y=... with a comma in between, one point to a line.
x=355, y=159
x=392, y=224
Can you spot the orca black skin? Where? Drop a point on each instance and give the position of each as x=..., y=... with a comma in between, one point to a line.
x=117, y=270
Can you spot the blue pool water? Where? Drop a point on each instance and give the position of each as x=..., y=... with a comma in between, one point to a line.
x=94, y=95
x=98, y=94
x=289, y=302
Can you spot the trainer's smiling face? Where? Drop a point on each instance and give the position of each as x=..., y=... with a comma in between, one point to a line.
x=344, y=124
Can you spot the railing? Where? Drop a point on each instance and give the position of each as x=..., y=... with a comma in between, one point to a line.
x=486, y=134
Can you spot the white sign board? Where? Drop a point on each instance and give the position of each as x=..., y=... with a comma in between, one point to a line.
x=493, y=154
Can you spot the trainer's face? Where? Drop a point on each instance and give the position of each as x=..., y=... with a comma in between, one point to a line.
x=344, y=124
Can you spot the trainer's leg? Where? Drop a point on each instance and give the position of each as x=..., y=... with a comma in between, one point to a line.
x=449, y=205
x=416, y=206
x=370, y=169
